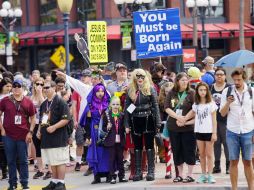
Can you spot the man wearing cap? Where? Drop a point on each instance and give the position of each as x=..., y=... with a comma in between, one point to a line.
x=17, y=131
x=121, y=83
x=208, y=77
x=76, y=107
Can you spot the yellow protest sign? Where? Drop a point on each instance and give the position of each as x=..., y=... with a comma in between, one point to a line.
x=97, y=41
x=58, y=58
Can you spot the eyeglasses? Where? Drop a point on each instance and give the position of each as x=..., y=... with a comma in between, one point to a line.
x=16, y=86
x=39, y=84
x=219, y=74
x=140, y=77
x=46, y=87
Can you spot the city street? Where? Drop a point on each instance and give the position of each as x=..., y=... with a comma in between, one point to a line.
x=76, y=181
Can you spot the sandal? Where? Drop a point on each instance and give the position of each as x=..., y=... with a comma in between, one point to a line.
x=188, y=179
x=178, y=179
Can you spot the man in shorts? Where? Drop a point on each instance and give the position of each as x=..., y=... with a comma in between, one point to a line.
x=54, y=117
x=237, y=104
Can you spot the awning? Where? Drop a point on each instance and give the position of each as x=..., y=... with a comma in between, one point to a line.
x=57, y=36
x=218, y=30
x=215, y=31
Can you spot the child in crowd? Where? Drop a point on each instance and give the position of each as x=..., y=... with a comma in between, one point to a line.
x=115, y=140
x=204, y=110
x=97, y=156
x=165, y=88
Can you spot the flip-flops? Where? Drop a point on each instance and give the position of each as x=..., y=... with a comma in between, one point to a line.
x=178, y=179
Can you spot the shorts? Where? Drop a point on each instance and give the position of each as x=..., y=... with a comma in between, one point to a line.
x=239, y=143
x=203, y=136
x=183, y=146
x=80, y=136
x=55, y=156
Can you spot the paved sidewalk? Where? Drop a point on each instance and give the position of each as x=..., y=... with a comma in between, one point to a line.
x=76, y=181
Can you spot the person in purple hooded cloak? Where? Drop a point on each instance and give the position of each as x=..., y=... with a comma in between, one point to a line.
x=97, y=156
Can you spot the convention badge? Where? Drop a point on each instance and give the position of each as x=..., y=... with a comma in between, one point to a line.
x=179, y=112
x=17, y=120
x=173, y=103
x=131, y=108
x=45, y=118
x=117, y=138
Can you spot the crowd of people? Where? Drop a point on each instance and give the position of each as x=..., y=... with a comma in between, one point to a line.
x=116, y=115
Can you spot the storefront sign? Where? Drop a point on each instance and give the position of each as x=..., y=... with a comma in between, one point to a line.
x=97, y=41
x=157, y=33
x=189, y=58
x=126, y=30
x=58, y=58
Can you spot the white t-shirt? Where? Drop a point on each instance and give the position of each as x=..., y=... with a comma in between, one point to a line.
x=203, y=119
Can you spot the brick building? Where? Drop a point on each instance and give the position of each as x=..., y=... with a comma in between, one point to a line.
x=41, y=30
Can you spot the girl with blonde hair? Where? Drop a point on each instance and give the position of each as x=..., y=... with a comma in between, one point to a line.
x=142, y=119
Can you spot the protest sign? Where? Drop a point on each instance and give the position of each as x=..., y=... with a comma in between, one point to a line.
x=157, y=33
x=97, y=41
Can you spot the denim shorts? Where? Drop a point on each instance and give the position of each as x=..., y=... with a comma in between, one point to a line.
x=239, y=143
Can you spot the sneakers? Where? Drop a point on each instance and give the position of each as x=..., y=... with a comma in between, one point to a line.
x=202, y=179
x=77, y=167
x=211, y=179
x=50, y=186
x=38, y=175
x=60, y=186
x=25, y=188
x=47, y=176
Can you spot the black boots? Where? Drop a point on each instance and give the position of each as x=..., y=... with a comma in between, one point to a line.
x=227, y=167
x=216, y=168
x=96, y=180
x=138, y=172
x=151, y=165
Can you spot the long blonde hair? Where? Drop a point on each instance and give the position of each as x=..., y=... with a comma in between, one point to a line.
x=133, y=86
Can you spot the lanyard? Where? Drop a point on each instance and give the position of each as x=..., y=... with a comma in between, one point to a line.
x=17, y=103
x=238, y=97
x=116, y=124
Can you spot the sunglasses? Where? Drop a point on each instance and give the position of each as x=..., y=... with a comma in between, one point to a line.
x=39, y=84
x=16, y=86
x=46, y=87
x=140, y=77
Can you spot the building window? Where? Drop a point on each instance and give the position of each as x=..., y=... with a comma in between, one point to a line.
x=219, y=12
x=48, y=12
x=158, y=4
x=86, y=10
x=15, y=3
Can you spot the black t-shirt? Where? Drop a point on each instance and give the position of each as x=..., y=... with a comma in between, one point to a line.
x=58, y=110
x=217, y=99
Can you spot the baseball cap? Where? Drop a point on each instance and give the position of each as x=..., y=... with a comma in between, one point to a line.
x=87, y=73
x=110, y=66
x=18, y=81
x=119, y=66
x=208, y=60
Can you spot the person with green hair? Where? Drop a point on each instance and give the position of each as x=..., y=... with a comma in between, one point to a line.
x=115, y=139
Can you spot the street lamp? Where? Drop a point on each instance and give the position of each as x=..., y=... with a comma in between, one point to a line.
x=9, y=17
x=127, y=7
x=65, y=8
x=202, y=6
